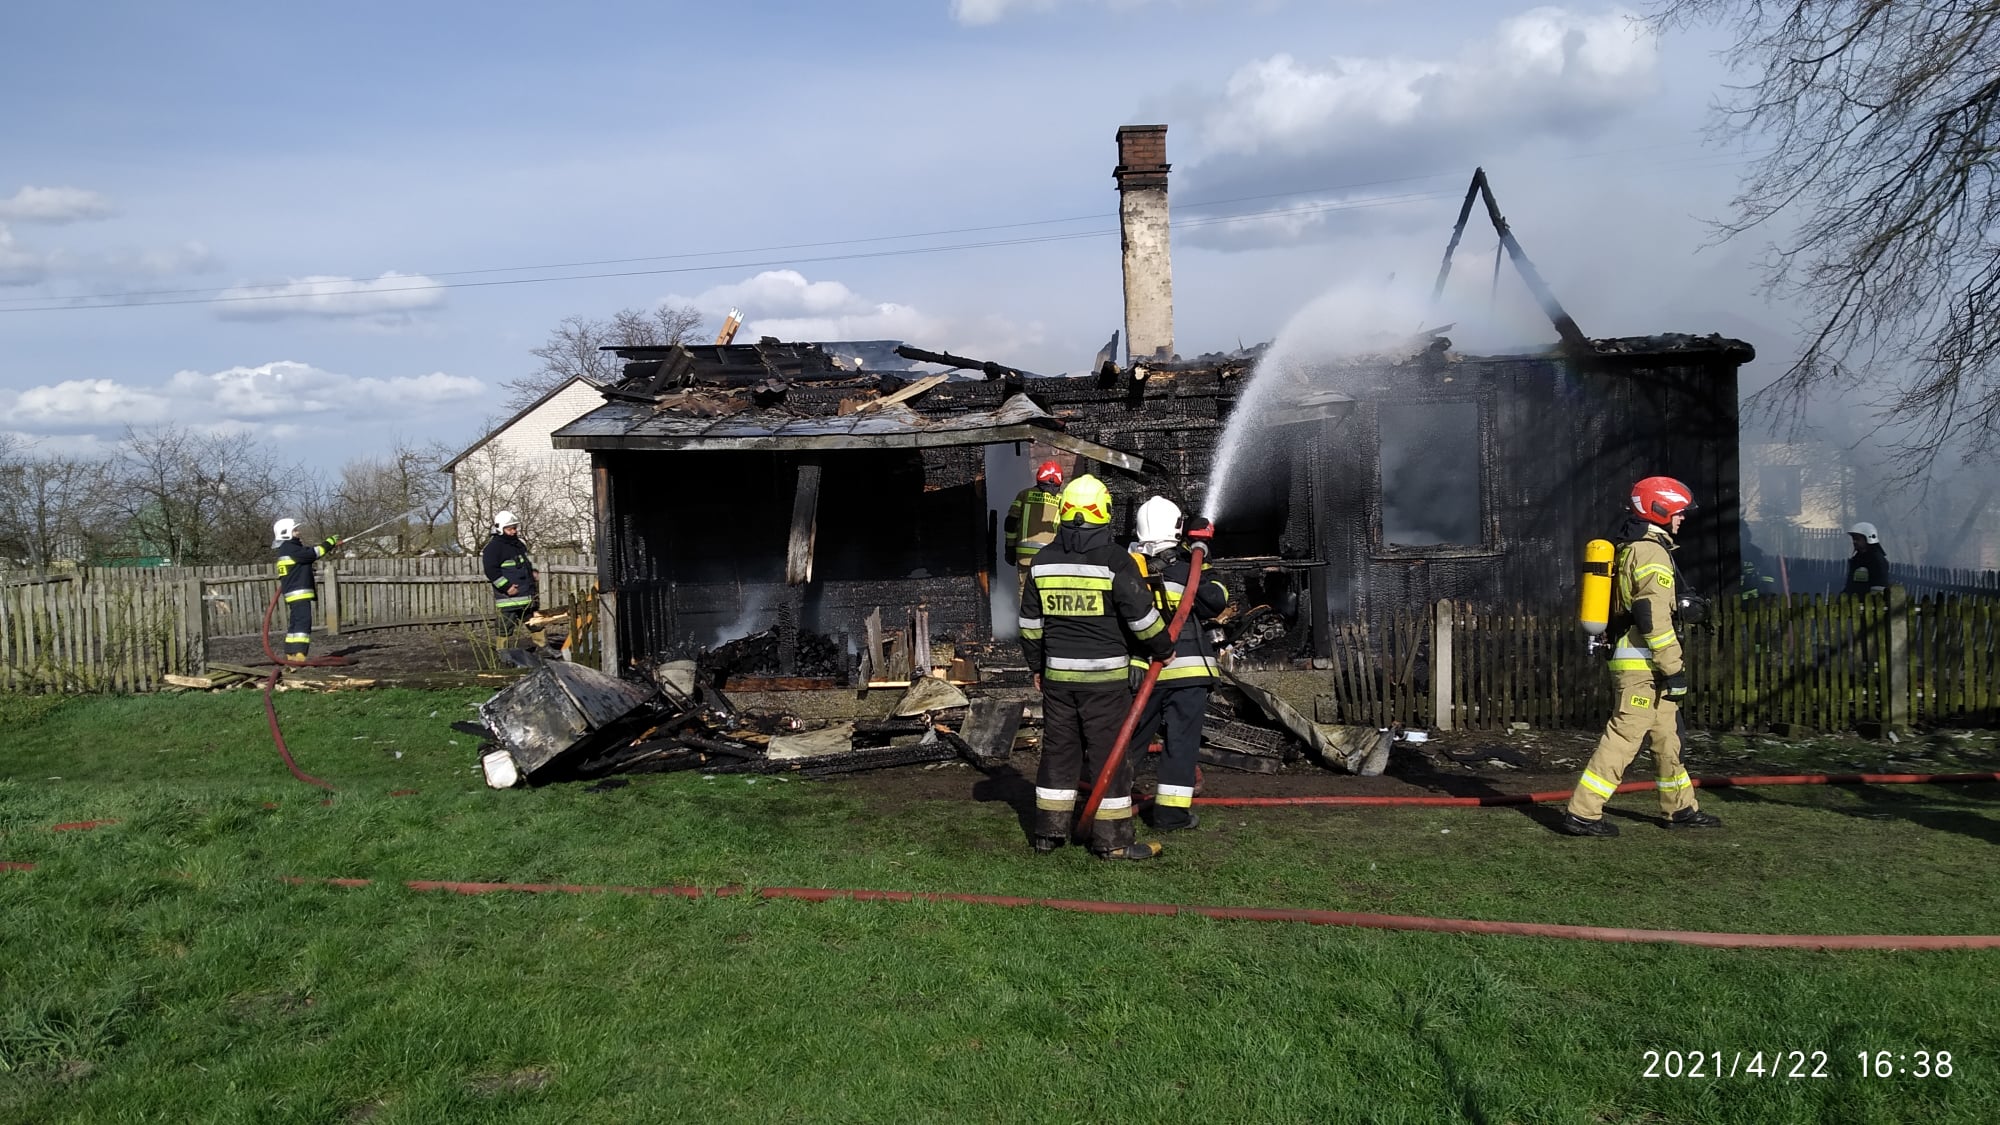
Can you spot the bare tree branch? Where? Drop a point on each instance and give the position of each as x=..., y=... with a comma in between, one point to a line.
x=574, y=347
x=1880, y=117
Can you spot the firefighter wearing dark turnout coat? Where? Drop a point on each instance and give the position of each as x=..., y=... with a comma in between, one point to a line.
x=1083, y=611
x=1648, y=677
x=514, y=580
x=1180, y=696
x=295, y=584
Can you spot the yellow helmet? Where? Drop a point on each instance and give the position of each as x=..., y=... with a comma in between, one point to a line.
x=1086, y=498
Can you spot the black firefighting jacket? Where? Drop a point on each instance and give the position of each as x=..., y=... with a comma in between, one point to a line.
x=295, y=568
x=1193, y=662
x=1867, y=569
x=1085, y=609
x=507, y=564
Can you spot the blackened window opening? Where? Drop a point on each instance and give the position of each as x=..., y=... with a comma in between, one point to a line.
x=1430, y=474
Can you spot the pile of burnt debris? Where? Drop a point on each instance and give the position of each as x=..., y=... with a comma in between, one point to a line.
x=565, y=722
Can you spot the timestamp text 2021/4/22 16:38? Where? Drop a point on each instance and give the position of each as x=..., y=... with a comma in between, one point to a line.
x=1795, y=1064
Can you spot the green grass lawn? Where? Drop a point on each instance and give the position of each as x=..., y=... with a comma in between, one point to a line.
x=158, y=969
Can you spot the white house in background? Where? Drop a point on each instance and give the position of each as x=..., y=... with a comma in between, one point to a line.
x=515, y=467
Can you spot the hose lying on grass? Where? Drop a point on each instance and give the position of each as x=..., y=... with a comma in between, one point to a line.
x=1498, y=799
x=1238, y=913
x=271, y=683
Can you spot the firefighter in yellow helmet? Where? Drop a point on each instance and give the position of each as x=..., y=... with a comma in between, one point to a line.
x=1084, y=612
x=1647, y=675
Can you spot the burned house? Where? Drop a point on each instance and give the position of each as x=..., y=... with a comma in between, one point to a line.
x=803, y=487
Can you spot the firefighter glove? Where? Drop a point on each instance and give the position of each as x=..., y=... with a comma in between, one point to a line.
x=332, y=541
x=1675, y=686
x=1200, y=528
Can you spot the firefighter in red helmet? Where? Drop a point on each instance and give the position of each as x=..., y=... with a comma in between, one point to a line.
x=1031, y=522
x=1648, y=677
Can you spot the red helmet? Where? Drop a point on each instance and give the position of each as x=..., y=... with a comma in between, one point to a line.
x=1659, y=499
x=1049, y=473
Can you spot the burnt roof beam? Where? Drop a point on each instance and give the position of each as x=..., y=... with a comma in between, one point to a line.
x=1566, y=327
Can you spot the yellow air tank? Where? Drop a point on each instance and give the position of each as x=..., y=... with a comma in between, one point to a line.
x=1595, y=609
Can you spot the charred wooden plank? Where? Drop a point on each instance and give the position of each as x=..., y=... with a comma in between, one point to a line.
x=1248, y=763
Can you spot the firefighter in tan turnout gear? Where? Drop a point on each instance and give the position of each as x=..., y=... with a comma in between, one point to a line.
x=1647, y=676
x=1084, y=613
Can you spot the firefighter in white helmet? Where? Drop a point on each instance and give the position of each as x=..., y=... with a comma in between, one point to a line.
x=1868, y=567
x=1084, y=612
x=1180, y=696
x=1648, y=677
x=295, y=584
x=516, y=582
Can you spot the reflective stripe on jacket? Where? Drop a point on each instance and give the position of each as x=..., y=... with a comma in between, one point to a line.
x=1645, y=582
x=1031, y=523
x=507, y=564
x=295, y=569
x=1193, y=662
x=1083, y=607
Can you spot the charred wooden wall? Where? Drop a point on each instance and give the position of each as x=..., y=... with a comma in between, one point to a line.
x=696, y=541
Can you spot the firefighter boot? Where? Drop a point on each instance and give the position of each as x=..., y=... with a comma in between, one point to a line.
x=1575, y=825
x=1694, y=818
x=1043, y=845
x=1145, y=849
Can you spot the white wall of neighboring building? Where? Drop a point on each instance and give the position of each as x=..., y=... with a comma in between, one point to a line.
x=517, y=467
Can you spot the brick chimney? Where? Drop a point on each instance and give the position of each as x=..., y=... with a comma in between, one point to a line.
x=1142, y=219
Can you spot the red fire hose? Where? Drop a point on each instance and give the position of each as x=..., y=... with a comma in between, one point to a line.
x=271, y=683
x=1499, y=799
x=1197, y=557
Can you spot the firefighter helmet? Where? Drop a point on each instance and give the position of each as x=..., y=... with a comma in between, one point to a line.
x=1866, y=531
x=1158, y=521
x=504, y=520
x=1086, y=499
x=1659, y=499
x=282, y=530
x=1049, y=473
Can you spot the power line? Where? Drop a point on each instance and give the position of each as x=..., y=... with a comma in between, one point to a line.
x=289, y=291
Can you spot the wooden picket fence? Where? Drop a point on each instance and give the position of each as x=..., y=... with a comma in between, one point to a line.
x=120, y=629
x=80, y=633
x=1810, y=662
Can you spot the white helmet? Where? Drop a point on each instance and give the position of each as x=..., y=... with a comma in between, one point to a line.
x=1866, y=531
x=282, y=530
x=504, y=520
x=1159, y=521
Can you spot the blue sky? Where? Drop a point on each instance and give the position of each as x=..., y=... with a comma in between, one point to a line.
x=344, y=159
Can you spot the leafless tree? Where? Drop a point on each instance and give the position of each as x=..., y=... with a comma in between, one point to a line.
x=402, y=486
x=1880, y=122
x=53, y=509
x=548, y=495
x=199, y=498
x=573, y=347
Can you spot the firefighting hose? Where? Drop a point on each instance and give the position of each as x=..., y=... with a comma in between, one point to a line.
x=278, y=666
x=1197, y=557
x=271, y=683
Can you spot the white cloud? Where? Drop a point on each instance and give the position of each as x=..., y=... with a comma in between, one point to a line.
x=21, y=265
x=1296, y=126
x=237, y=397
x=390, y=299
x=977, y=12
x=785, y=304
x=54, y=205
x=84, y=404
